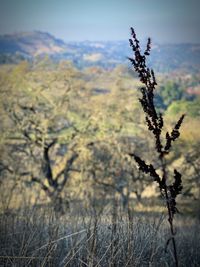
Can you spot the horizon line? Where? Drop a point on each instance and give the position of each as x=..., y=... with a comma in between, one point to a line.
x=97, y=40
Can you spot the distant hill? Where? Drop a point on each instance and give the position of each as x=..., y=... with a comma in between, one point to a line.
x=31, y=43
x=164, y=57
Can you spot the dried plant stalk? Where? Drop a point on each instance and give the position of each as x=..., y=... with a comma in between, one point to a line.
x=155, y=123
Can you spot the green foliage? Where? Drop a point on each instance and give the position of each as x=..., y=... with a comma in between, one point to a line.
x=169, y=92
x=192, y=108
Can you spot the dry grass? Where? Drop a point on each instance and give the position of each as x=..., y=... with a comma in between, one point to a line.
x=37, y=237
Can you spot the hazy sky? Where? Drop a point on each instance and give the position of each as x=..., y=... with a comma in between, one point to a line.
x=163, y=20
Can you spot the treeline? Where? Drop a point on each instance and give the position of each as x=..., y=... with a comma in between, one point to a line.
x=66, y=134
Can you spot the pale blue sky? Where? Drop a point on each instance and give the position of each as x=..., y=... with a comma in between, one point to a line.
x=163, y=20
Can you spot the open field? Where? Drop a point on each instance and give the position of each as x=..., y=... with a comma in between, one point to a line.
x=37, y=237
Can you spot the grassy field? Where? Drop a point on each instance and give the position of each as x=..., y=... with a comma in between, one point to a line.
x=38, y=237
